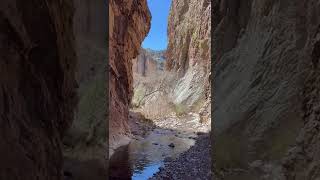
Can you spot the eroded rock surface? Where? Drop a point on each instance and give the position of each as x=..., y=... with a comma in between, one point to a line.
x=129, y=23
x=189, y=51
x=264, y=87
x=37, y=87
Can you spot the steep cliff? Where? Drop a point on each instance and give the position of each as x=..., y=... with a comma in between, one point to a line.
x=129, y=23
x=146, y=63
x=265, y=55
x=87, y=135
x=189, y=35
x=38, y=87
x=189, y=53
x=303, y=160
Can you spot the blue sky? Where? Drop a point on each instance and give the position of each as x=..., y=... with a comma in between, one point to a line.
x=157, y=37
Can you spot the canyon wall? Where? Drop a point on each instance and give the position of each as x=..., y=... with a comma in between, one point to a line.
x=265, y=88
x=88, y=132
x=189, y=35
x=129, y=23
x=145, y=64
x=38, y=87
x=189, y=53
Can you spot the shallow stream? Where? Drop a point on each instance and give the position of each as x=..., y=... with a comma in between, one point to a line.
x=143, y=157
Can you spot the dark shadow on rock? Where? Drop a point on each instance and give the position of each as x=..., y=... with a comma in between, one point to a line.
x=119, y=167
x=75, y=169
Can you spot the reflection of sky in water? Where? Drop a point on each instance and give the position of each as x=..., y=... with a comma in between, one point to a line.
x=147, y=172
x=147, y=155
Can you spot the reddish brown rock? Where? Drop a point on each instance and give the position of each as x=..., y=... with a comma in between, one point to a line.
x=146, y=64
x=37, y=87
x=129, y=23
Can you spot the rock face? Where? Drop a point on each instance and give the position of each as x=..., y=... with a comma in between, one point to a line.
x=189, y=52
x=265, y=55
x=189, y=35
x=147, y=63
x=129, y=23
x=158, y=56
x=38, y=87
x=303, y=160
x=89, y=127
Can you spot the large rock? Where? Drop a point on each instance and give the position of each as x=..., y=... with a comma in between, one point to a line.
x=37, y=86
x=129, y=23
x=265, y=55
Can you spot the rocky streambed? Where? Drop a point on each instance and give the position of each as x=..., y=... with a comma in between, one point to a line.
x=193, y=164
x=151, y=148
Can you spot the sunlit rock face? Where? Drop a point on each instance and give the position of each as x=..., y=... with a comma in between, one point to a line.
x=148, y=62
x=189, y=35
x=129, y=23
x=37, y=87
x=265, y=55
x=189, y=54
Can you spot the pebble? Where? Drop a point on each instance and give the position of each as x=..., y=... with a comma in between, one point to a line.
x=171, y=145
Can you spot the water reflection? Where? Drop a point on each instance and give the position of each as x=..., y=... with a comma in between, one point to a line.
x=146, y=172
x=142, y=158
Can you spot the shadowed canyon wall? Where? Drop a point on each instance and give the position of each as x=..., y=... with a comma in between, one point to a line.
x=129, y=23
x=38, y=87
x=265, y=92
x=87, y=135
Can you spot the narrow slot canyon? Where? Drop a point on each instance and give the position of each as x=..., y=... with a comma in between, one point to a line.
x=161, y=122
x=81, y=100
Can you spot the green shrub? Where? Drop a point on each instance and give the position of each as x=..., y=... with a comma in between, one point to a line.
x=180, y=109
x=138, y=96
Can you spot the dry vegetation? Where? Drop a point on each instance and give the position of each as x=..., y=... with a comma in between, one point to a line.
x=152, y=95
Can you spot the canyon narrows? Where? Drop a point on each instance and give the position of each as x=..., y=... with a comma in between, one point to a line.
x=57, y=90
x=167, y=107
